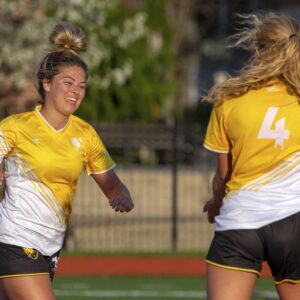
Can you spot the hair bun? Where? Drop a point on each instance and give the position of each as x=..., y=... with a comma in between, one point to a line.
x=68, y=38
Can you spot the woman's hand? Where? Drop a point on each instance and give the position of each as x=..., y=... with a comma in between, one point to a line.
x=3, y=177
x=118, y=195
x=212, y=208
x=122, y=203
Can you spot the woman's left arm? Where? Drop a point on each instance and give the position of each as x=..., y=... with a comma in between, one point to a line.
x=222, y=175
x=117, y=193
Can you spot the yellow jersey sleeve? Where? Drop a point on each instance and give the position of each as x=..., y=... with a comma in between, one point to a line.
x=216, y=138
x=98, y=159
x=8, y=136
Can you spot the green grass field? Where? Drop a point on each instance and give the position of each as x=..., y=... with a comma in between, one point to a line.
x=144, y=288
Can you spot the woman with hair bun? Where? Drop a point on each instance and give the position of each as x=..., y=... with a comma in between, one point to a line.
x=254, y=130
x=45, y=152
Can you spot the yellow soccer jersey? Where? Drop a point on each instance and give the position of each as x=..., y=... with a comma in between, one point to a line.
x=44, y=166
x=261, y=131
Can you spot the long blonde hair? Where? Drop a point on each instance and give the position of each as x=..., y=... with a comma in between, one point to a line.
x=277, y=39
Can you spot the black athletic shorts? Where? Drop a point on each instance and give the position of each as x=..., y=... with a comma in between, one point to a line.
x=20, y=261
x=278, y=244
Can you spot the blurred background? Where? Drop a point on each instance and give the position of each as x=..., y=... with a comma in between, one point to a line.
x=150, y=62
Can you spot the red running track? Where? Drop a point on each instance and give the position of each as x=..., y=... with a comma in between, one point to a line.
x=127, y=265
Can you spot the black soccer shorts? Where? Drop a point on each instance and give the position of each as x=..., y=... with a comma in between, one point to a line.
x=21, y=261
x=245, y=249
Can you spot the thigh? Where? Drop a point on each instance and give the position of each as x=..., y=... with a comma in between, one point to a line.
x=2, y=292
x=35, y=287
x=227, y=284
x=288, y=291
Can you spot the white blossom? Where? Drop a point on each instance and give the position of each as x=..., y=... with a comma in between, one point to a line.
x=134, y=29
x=22, y=45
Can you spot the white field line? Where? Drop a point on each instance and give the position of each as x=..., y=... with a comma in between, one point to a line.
x=131, y=294
x=147, y=294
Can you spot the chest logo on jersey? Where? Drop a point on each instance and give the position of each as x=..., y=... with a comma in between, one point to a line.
x=36, y=140
x=76, y=143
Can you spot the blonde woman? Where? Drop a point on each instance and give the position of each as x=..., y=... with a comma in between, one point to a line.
x=254, y=130
x=45, y=152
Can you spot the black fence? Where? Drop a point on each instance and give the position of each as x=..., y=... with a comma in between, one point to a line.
x=168, y=174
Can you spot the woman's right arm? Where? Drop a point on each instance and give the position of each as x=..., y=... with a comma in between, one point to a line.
x=222, y=175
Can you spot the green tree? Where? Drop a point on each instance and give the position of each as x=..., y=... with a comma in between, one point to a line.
x=129, y=60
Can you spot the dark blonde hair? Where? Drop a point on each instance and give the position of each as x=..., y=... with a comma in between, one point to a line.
x=277, y=39
x=67, y=41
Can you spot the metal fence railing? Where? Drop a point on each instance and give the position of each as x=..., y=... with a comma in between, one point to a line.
x=168, y=174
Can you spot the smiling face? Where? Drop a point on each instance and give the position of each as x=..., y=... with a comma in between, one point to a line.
x=65, y=91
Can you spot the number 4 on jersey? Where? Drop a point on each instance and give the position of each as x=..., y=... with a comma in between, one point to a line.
x=279, y=134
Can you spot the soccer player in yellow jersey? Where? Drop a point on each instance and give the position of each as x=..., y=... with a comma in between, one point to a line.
x=254, y=130
x=45, y=152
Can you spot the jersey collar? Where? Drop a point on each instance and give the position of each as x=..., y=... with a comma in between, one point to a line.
x=38, y=108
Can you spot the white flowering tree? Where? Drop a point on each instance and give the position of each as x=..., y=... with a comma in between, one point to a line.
x=21, y=31
x=125, y=56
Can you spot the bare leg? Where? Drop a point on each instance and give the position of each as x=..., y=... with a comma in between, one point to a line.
x=288, y=291
x=226, y=284
x=35, y=287
x=2, y=293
